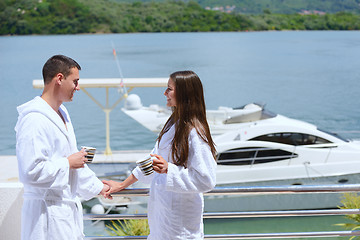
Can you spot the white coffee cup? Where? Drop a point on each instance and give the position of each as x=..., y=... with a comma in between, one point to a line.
x=90, y=153
x=145, y=164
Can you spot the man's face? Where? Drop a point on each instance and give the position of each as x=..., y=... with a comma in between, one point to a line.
x=70, y=85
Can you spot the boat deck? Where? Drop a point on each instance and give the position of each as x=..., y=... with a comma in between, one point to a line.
x=8, y=169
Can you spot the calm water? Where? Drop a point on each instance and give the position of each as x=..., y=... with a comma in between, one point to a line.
x=312, y=76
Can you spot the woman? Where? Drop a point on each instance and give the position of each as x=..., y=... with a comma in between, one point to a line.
x=184, y=165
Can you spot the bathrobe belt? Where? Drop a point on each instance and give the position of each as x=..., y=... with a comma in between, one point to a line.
x=44, y=198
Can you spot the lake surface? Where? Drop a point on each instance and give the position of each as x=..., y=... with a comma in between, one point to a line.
x=312, y=76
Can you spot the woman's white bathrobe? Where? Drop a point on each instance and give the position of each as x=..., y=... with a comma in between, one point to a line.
x=176, y=203
x=51, y=208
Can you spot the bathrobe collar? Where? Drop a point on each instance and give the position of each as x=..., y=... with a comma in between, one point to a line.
x=39, y=105
x=167, y=138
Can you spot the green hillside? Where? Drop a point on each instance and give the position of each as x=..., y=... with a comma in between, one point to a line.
x=110, y=16
x=275, y=6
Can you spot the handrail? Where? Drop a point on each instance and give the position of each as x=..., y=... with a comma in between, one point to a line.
x=250, y=235
x=248, y=190
x=289, y=213
x=265, y=189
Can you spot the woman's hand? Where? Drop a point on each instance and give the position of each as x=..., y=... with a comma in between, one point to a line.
x=113, y=187
x=159, y=164
x=118, y=186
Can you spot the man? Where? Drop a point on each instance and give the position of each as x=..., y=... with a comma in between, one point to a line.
x=51, y=168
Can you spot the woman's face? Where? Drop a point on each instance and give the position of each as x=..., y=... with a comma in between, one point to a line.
x=170, y=94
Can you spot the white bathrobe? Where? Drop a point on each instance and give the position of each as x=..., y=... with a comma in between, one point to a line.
x=51, y=208
x=176, y=203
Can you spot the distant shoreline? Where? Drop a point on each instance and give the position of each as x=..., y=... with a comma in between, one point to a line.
x=91, y=17
x=84, y=34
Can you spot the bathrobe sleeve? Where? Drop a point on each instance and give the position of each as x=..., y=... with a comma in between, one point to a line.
x=88, y=184
x=140, y=176
x=200, y=175
x=37, y=165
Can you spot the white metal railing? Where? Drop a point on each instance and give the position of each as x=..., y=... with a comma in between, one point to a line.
x=290, y=213
x=251, y=235
x=254, y=189
x=243, y=190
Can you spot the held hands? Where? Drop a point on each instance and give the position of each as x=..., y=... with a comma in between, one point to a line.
x=104, y=190
x=77, y=160
x=160, y=165
x=110, y=187
x=118, y=186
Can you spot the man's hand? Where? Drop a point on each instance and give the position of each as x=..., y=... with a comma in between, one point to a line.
x=77, y=160
x=105, y=189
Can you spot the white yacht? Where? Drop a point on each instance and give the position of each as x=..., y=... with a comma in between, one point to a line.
x=222, y=120
x=259, y=148
x=283, y=151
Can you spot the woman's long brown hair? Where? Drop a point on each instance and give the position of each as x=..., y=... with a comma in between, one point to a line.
x=189, y=113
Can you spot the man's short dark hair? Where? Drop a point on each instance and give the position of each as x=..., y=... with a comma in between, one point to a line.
x=58, y=64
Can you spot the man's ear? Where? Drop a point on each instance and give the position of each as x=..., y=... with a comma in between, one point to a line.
x=59, y=78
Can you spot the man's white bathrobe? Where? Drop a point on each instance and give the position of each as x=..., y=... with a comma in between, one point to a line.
x=51, y=208
x=176, y=203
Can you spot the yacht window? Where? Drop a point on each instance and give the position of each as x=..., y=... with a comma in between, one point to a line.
x=254, y=155
x=291, y=138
